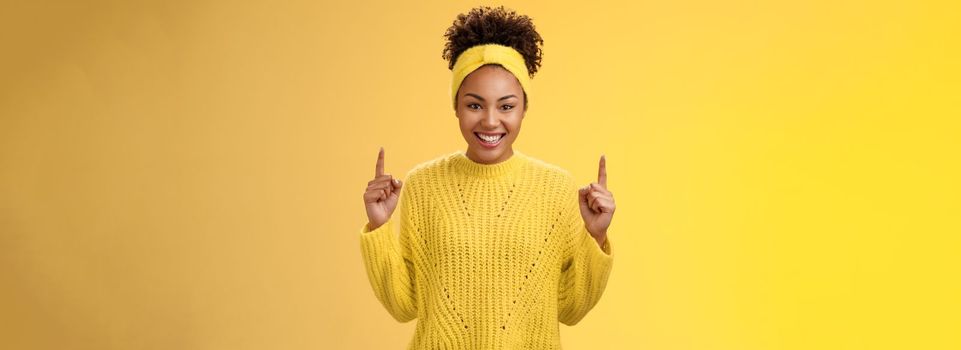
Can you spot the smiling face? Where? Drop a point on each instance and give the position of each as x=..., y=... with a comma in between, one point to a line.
x=490, y=108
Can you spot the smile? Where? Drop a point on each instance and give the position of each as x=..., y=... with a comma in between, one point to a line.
x=490, y=140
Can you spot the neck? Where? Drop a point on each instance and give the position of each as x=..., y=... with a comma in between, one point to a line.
x=503, y=157
x=465, y=164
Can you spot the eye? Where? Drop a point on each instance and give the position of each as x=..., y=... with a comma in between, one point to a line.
x=471, y=105
x=507, y=107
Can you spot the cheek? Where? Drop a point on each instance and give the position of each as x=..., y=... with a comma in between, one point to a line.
x=465, y=125
x=466, y=128
x=515, y=122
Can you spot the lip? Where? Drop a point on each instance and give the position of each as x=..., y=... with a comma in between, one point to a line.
x=490, y=145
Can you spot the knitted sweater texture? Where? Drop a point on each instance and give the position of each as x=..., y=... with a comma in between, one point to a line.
x=489, y=256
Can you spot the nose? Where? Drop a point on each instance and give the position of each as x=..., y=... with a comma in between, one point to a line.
x=490, y=120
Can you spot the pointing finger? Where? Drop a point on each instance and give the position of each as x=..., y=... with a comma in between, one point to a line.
x=380, y=163
x=379, y=186
x=597, y=187
x=382, y=178
x=602, y=172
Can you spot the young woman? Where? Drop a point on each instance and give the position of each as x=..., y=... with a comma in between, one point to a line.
x=496, y=247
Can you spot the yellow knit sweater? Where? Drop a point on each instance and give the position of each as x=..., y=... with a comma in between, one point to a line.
x=489, y=256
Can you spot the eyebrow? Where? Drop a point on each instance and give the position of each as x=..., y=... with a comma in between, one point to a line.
x=482, y=99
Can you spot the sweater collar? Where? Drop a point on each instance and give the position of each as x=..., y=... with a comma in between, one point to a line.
x=465, y=165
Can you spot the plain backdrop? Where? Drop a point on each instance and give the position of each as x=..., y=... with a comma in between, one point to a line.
x=189, y=174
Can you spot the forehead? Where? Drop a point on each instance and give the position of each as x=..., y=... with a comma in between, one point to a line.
x=491, y=80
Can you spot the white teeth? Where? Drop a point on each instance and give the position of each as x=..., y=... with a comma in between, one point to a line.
x=490, y=139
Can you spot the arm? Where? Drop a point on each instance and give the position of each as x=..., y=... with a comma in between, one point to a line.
x=389, y=263
x=584, y=271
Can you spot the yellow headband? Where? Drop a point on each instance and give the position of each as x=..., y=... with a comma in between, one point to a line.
x=479, y=55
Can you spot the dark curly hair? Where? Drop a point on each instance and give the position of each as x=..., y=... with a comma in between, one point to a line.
x=497, y=25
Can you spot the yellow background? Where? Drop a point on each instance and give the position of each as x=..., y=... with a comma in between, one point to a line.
x=189, y=174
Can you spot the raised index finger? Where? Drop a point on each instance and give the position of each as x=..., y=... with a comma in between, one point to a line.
x=380, y=163
x=602, y=172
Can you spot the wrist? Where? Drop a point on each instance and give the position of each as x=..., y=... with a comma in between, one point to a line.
x=371, y=226
x=601, y=240
x=599, y=237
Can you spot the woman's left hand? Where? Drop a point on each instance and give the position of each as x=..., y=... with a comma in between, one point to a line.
x=597, y=204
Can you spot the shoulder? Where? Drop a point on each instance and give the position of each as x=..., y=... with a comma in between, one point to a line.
x=550, y=172
x=555, y=185
x=430, y=168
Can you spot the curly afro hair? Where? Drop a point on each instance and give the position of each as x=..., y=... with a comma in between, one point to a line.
x=497, y=25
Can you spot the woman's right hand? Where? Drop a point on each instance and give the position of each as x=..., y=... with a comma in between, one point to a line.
x=381, y=196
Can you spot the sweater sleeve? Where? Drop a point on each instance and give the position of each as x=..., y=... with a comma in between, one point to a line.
x=584, y=271
x=389, y=263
